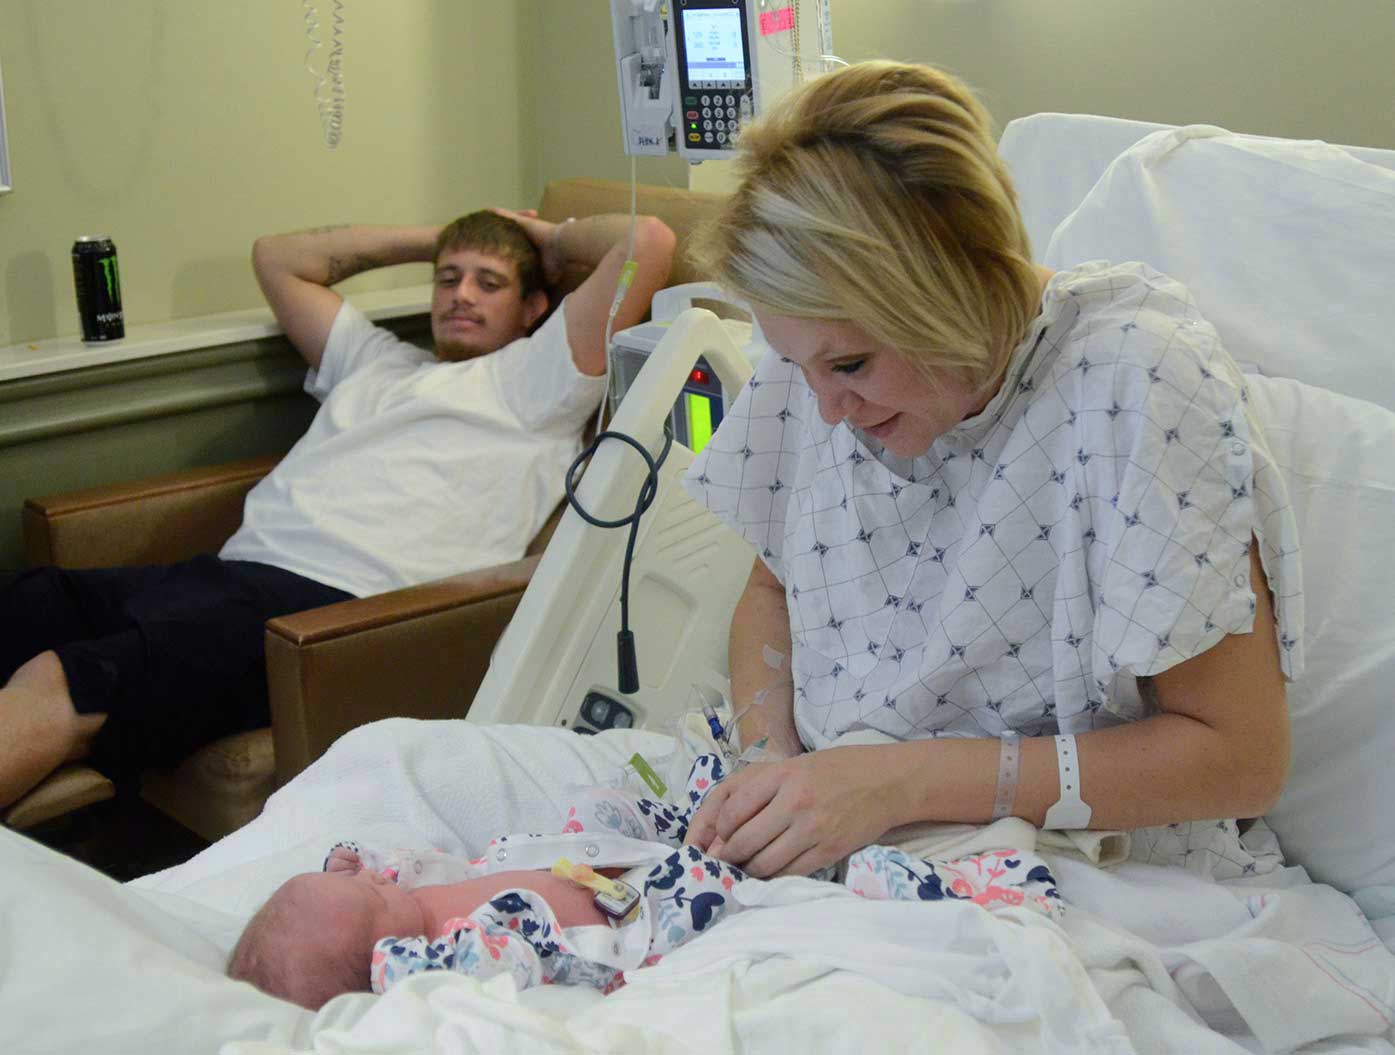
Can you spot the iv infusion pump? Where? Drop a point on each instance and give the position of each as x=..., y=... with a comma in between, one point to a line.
x=714, y=77
x=692, y=71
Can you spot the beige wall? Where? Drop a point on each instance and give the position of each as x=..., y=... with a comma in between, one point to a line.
x=1320, y=69
x=184, y=128
x=577, y=117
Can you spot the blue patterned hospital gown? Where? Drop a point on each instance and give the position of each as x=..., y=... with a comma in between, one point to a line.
x=1091, y=526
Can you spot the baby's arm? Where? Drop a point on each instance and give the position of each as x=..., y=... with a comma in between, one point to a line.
x=507, y=938
x=570, y=903
x=409, y=869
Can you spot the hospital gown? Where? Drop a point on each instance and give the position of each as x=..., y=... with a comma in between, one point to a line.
x=1090, y=527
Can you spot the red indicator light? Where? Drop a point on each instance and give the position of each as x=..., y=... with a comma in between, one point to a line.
x=698, y=377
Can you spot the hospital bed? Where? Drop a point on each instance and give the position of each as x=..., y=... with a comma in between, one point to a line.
x=1288, y=248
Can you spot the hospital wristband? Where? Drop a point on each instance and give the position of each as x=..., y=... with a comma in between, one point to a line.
x=1009, y=764
x=1070, y=811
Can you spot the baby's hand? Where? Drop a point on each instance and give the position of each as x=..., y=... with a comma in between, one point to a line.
x=342, y=859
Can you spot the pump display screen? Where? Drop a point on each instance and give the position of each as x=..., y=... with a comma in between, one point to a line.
x=712, y=39
x=700, y=424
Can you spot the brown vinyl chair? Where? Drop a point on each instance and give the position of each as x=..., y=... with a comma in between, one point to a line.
x=419, y=652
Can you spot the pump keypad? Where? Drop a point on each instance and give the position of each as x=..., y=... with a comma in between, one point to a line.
x=723, y=108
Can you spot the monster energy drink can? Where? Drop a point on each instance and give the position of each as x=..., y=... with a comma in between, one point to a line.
x=98, y=282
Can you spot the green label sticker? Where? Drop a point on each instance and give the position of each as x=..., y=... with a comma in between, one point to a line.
x=647, y=774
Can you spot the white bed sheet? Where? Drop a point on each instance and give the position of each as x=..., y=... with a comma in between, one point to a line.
x=1145, y=960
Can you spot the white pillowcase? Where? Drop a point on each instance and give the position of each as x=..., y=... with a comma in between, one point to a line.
x=1056, y=158
x=1337, y=455
x=1288, y=247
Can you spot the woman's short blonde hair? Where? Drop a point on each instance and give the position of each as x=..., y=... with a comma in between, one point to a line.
x=876, y=195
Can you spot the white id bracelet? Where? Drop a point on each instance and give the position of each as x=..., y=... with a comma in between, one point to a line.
x=1070, y=810
x=1009, y=762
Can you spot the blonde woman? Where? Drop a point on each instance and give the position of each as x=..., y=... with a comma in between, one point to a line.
x=994, y=507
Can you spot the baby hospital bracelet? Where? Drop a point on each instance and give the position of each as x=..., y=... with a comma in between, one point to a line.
x=1009, y=762
x=1070, y=810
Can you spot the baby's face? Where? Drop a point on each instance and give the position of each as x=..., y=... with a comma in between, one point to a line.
x=364, y=903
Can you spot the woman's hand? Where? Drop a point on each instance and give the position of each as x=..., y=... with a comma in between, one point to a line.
x=795, y=816
x=541, y=233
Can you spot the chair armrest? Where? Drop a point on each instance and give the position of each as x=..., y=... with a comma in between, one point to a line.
x=417, y=653
x=158, y=520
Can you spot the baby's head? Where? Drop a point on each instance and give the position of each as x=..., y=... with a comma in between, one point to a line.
x=314, y=938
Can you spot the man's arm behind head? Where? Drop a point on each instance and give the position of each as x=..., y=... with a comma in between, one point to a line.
x=602, y=243
x=296, y=270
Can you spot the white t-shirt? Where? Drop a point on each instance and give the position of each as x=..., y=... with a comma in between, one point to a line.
x=415, y=469
x=1089, y=527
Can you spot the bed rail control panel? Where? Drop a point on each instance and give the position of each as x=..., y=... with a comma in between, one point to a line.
x=702, y=401
x=599, y=712
x=700, y=405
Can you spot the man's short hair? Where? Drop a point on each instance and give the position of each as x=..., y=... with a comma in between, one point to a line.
x=488, y=232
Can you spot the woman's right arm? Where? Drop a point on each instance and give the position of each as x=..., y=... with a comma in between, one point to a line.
x=761, y=620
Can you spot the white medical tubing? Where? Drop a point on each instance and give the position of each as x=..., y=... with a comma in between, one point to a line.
x=627, y=275
x=775, y=660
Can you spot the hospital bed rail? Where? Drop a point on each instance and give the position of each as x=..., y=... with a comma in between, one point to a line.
x=688, y=570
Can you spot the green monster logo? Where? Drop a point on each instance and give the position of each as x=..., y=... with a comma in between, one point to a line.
x=112, y=275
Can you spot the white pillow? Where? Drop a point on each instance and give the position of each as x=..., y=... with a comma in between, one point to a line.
x=1287, y=246
x=1336, y=816
x=1056, y=158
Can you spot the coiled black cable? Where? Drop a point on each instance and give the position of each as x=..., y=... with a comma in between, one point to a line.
x=627, y=663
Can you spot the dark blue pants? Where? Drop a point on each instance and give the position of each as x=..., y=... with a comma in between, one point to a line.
x=174, y=655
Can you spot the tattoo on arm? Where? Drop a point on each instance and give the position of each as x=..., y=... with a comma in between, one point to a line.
x=324, y=230
x=341, y=267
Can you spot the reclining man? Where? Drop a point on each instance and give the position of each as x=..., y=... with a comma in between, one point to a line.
x=415, y=467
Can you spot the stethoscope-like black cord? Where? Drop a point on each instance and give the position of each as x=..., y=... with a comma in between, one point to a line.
x=625, y=643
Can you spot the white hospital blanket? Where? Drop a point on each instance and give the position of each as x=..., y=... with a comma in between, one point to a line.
x=1148, y=960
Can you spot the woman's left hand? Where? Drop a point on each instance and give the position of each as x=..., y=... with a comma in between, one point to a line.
x=795, y=816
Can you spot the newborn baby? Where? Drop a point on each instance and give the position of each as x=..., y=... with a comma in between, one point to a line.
x=314, y=937
x=369, y=920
